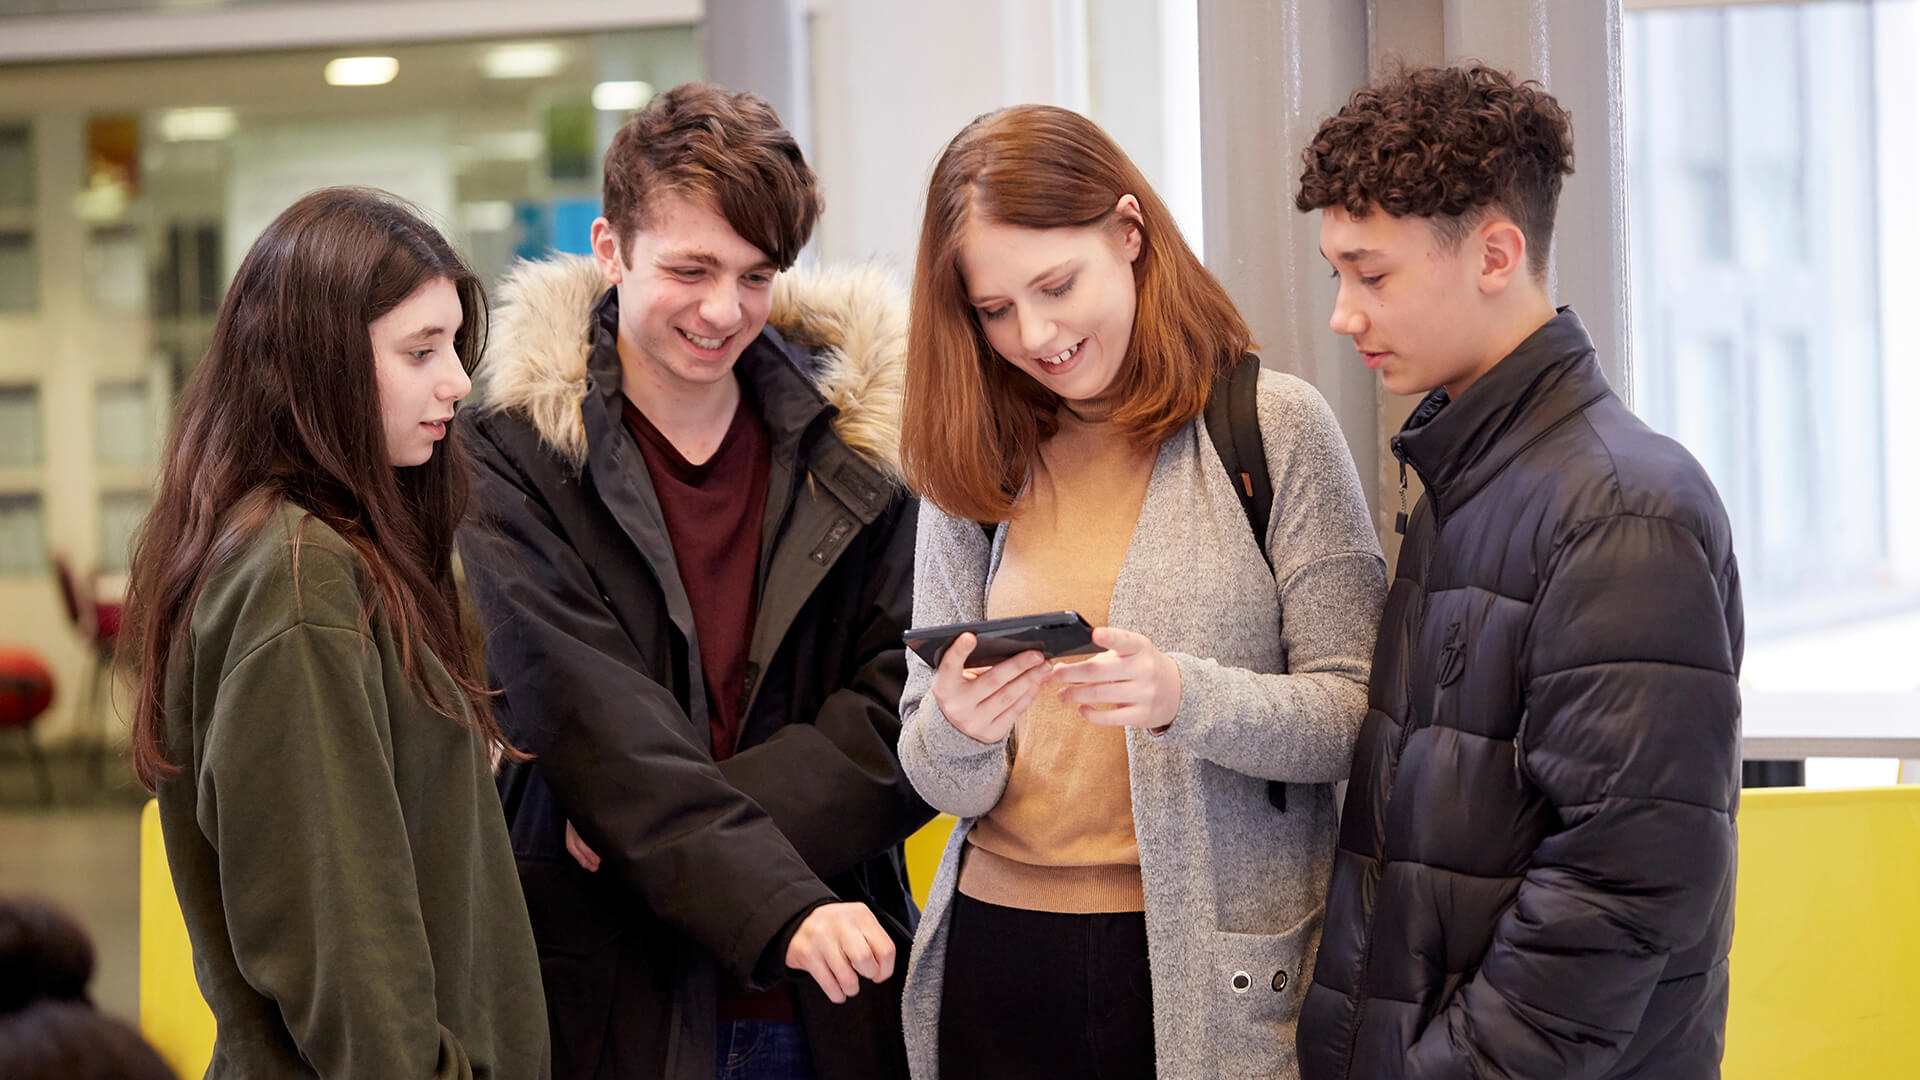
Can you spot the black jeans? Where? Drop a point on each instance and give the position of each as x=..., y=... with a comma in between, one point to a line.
x=1043, y=995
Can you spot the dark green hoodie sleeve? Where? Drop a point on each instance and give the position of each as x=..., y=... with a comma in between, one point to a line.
x=297, y=794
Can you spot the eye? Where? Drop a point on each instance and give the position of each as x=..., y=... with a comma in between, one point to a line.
x=1061, y=289
x=421, y=355
x=687, y=273
x=990, y=314
x=758, y=281
x=1371, y=282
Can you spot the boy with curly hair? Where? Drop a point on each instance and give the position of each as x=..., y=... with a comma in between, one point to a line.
x=1535, y=870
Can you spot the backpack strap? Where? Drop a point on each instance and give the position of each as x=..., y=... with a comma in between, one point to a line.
x=1233, y=423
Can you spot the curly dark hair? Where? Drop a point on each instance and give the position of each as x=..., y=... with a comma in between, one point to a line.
x=1447, y=144
x=729, y=146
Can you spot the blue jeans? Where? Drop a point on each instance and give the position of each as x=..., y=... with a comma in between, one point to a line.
x=761, y=1050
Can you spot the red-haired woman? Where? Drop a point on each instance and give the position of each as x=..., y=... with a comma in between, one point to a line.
x=1126, y=885
x=303, y=704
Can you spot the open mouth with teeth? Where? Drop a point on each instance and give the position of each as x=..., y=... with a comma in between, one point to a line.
x=1064, y=355
x=710, y=344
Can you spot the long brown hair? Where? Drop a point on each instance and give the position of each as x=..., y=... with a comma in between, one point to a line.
x=284, y=409
x=973, y=422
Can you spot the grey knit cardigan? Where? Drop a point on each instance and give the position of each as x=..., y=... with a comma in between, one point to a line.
x=1273, y=673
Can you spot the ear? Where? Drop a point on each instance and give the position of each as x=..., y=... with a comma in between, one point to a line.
x=1134, y=234
x=606, y=251
x=1503, y=255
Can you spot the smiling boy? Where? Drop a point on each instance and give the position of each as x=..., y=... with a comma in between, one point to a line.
x=694, y=563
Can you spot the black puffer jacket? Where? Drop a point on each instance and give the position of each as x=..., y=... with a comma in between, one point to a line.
x=1536, y=863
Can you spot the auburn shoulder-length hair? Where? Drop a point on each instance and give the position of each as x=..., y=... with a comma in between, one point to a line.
x=284, y=408
x=974, y=423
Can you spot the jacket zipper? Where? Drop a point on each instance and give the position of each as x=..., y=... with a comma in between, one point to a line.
x=1400, y=519
x=1360, y=994
x=1519, y=750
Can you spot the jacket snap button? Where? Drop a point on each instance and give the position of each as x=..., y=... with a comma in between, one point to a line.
x=1279, y=981
x=1241, y=982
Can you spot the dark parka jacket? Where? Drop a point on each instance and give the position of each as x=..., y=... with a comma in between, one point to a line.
x=590, y=637
x=1536, y=863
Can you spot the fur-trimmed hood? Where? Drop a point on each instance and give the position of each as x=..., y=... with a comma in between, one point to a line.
x=853, y=317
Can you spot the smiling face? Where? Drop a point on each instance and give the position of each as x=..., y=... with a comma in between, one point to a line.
x=1056, y=303
x=693, y=293
x=418, y=371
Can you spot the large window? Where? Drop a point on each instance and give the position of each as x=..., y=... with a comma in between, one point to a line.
x=130, y=188
x=1772, y=150
x=124, y=211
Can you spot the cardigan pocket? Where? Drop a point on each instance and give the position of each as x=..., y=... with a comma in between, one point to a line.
x=1254, y=984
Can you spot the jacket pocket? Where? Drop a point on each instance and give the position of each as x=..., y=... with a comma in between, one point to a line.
x=1254, y=984
x=1439, y=1002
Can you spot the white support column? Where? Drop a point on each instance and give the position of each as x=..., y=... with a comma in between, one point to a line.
x=69, y=493
x=1269, y=73
x=761, y=46
x=1573, y=48
x=896, y=81
x=1151, y=108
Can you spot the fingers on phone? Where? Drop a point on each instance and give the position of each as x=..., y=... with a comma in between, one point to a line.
x=1016, y=687
x=955, y=661
x=1010, y=671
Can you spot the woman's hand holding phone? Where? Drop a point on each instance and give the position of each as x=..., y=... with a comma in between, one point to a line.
x=983, y=704
x=1132, y=684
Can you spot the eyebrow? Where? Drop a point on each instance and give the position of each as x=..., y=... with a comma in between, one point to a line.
x=708, y=260
x=425, y=333
x=1036, y=279
x=1353, y=256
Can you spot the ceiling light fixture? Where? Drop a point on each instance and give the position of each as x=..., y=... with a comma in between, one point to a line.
x=362, y=70
x=527, y=60
x=207, y=124
x=621, y=96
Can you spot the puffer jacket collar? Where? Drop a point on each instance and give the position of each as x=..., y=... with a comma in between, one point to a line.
x=1458, y=446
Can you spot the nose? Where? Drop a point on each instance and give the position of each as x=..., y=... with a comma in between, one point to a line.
x=1035, y=332
x=1347, y=319
x=455, y=383
x=720, y=308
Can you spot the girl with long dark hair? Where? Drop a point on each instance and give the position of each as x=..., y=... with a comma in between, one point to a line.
x=303, y=704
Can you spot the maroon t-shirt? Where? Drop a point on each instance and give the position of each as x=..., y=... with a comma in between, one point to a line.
x=714, y=511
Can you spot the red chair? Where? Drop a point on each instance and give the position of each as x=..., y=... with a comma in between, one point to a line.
x=99, y=622
x=26, y=689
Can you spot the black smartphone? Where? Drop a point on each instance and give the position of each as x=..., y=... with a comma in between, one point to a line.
x=1056, y=633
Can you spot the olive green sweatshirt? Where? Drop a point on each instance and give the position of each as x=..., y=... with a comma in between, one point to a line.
x=338, y=847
